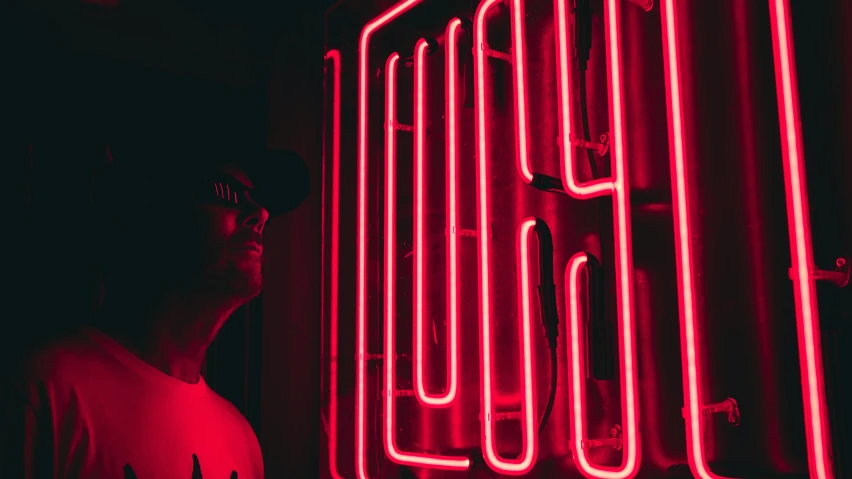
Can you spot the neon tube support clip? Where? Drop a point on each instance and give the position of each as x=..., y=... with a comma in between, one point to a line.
x=839, y=276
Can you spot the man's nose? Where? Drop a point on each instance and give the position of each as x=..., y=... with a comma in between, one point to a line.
x=255, y=216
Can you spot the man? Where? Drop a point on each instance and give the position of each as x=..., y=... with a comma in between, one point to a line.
x=181, y=248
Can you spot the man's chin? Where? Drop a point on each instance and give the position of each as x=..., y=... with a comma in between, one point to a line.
x=243, y=291
x=254, y=290
x=243, y=281
x=247, y=285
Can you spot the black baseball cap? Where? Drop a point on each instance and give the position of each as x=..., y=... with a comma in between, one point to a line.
x=279, y=176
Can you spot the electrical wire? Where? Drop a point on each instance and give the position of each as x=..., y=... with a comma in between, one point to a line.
x=582, y=52
x=551, y=398
x=584, y=118
x=549, y=314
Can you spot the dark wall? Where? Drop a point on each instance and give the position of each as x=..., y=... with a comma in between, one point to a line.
x=291, y=330
x=76, y=74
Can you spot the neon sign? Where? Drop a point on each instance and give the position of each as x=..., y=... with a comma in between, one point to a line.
x=569, y=184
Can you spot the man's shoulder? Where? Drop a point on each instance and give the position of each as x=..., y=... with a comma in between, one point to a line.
x=237, y=420
x=227, y=408
x=57, y=360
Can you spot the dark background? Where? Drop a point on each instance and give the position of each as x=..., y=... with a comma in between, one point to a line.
x=75, y=74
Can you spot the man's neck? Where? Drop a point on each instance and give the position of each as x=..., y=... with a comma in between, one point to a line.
x=173, y=336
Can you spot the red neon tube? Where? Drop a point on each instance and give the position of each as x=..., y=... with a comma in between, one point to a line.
x=389, y=396
x=576, y=358
x=333, y=57
x=361, y=228
x=618, y=187
x=693, y=397
x=572, y=186
x=519, y=87
x=420, y=92
x=526, y=460
x=801, y=249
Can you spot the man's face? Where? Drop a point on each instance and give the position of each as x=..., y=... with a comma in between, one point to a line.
x=223, y=240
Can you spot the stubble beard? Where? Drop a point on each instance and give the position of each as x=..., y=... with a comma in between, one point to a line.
x=241, y=280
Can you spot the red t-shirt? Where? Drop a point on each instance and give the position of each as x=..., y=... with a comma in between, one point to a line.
x=88, y=408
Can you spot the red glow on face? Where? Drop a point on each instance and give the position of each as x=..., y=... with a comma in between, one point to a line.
x=389, y=396
x=333, y=57
x=526, y=460
x=617, y=186
x=361, y=228
x=420, y=92
x=801, y=249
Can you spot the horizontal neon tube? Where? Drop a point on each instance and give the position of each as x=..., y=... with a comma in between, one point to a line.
x=389, y=397
x=361, y=232
x=333, y=57
x=801, y=248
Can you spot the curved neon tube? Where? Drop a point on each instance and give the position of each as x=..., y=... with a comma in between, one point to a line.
x=451, y=81
x=527, y=458
x=617, y=186
x=361, y=232
x=573, y=187
x=389, y=396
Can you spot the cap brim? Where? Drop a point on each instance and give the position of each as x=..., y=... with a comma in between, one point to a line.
x=280, y=177
x=281, y=180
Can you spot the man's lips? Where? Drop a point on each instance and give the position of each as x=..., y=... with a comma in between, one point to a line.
x=250, y=247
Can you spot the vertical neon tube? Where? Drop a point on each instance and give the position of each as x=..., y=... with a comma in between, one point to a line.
x=618, y=187
x=389, y=358
x=333, y=57
x=801, y=248
x=519, y=87
x=389, y=396
x=361, y=232
x=690, y=358
x=525, y=314
x=451, y=144
x=420, y=91
x=623, y=251
x=526, y=460
x=576, y=358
